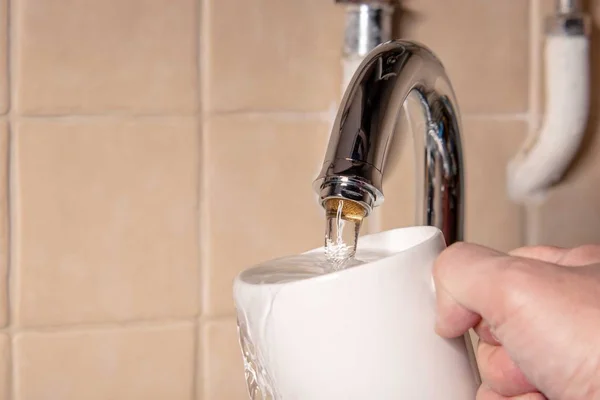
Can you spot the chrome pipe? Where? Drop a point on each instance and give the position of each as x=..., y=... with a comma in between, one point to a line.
x=368, y=24
x=568, y=6
x=569, y=19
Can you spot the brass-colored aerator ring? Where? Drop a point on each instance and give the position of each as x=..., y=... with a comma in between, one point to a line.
x=350, y=210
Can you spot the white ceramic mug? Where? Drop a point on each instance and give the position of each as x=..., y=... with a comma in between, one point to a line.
x=365, y=332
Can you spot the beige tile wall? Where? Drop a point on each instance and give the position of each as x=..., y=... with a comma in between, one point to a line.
x=141, y=142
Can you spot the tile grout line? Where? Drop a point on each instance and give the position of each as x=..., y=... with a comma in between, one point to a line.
x=100, y=116
x=535, y=100
x=198, y=120
x=282, y=115
x=12, y=274
x=115, y=325
x=524, y=116
x=291, y=115
x=107, y=326
x=203, y=240
x=11, y=206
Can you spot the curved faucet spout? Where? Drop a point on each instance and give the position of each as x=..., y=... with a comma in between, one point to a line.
x=367, y=127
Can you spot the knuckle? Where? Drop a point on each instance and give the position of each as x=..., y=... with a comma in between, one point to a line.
x=586, y=254
x=538, y=252
x=447, y=256
x=516, y=283
x=456, y=248
x=517, y=271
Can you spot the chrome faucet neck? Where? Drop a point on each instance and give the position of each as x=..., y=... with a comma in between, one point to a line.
x=393, y=76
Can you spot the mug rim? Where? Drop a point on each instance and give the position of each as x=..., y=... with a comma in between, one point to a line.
x=373, y=242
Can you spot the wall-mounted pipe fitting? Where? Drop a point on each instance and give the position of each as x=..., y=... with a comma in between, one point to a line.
x=368, y=24
x=567, y=6
x=541, y=164
x=569, y=19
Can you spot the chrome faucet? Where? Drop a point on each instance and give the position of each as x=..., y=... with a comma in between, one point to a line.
x=399, y=79
x=396, y=76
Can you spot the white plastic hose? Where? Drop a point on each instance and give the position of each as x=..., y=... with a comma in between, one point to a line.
x=535, y=168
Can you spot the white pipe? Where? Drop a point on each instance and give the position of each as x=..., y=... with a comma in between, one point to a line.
x=538, y=166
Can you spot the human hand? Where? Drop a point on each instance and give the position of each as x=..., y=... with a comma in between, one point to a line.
x=537, y=313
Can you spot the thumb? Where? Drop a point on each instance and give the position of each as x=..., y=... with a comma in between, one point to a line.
x=469, y=285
